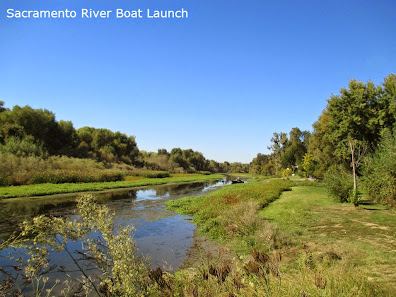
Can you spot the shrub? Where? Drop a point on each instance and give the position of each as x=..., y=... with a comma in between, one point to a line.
x=286, y=172
x=380, y=179
x=339, y=183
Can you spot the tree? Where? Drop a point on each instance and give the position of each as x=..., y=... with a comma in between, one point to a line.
x=2, y=108
x=358, y=113
x=358, y=150
x=280, y=142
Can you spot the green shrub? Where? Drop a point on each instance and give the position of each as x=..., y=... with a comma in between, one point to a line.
x=339, y=183
x=286, y=172
x=380, y=178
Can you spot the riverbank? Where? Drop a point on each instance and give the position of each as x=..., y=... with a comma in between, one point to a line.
x=316, y=246
x=51, y=189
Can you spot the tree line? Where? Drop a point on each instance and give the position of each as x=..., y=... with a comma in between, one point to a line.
x=353, y=141
x=26, y=132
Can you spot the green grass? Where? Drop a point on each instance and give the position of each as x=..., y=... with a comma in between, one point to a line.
x=251, y=177
x=364, y=238
x=326, y=248
x=229, y=214
x=50, y=189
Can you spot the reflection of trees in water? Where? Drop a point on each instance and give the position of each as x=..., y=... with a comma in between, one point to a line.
x=184, y=188
x=111, y=196
x=35, y=207
x=14, y=213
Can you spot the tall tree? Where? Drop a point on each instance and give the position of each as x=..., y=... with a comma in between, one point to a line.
x=351, y=124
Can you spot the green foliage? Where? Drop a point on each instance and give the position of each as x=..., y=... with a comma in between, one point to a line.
x=22, y=147
x=286, y=172
x=339, y=183
x=359, y=112
x=380, y=177
x=112, y=253
x=309, y=165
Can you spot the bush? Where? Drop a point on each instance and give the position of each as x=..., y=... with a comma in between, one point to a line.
x=339, y=183
x=286, y=172
x=380, y=179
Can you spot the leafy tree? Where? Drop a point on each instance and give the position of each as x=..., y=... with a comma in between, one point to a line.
x=353, y=119
x=2, y=108
x=258, y=163
x=22, y=147
x=278, y=147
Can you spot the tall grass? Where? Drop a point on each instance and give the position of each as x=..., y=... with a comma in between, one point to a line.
x=32, y=170
x=16, y=171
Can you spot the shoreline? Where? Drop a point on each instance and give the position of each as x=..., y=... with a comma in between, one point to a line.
x=60, y=190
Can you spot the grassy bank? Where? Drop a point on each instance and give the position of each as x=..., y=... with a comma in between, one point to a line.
x=302, y=244
x=50, y=189
x=230, y=214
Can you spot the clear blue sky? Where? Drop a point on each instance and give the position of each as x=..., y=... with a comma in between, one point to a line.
x=220, y=82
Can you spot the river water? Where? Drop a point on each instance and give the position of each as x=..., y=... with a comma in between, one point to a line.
x=159, y=233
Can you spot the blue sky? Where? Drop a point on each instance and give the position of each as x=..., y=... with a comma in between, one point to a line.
x=220, y=82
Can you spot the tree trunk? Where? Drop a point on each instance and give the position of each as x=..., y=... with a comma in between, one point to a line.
x=354, y=197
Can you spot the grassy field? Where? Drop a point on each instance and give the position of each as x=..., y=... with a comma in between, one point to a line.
x=363, y=239
x=50, y=189
x=317, y=247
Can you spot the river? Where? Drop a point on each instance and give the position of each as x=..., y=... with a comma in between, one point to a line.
x=161, y=234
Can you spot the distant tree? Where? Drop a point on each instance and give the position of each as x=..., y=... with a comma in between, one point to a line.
x=279, y=144
x=2, y=108
x=288, y=152
x=22, y=147
x=309, y=164
x=38, y=123
x=163, y=152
